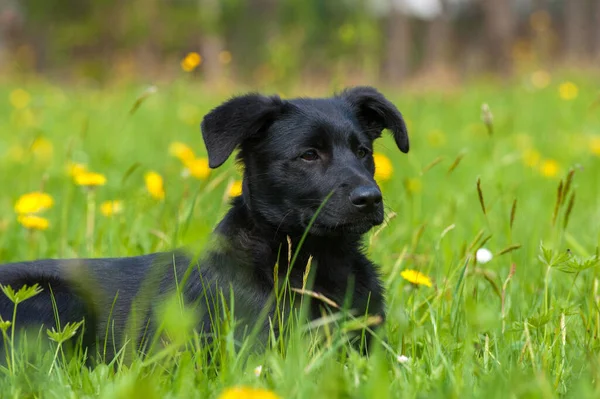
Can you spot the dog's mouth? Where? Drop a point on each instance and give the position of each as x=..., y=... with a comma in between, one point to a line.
x=356, y=226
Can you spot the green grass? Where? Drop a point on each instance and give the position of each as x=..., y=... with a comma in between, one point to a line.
x=454, y=333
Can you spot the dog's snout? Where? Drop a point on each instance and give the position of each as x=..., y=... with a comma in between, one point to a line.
x=365, y=198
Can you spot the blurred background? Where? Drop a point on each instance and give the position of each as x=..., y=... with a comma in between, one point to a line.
x=284, y=43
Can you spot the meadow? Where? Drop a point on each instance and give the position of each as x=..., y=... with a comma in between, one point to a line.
x=513, y=169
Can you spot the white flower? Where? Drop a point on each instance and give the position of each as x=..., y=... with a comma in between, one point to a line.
x=403, y=359
x=258, y=371
x=483, y=255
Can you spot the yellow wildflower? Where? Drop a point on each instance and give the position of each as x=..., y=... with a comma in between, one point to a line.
x=225, y=57
x=191, y=61
x=181, y=151
x=198, y=167
x=75, y=169
x=19, y=98
x=595, y=145
x=90, y=179
x=531, y=157
x=383, y=167
x=247, y=393
x=155, y=185
x=110, y=208
x=235, y=189
x=416, y=277
x=33, y=222
x=549, y=167
x=42, y=149
x=33, y=202
x=540, y=79
x=568, y=91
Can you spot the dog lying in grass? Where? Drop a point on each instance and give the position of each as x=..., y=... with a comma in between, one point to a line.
x=308, y=197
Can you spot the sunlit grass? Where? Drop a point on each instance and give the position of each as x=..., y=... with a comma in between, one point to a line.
x=523, y=321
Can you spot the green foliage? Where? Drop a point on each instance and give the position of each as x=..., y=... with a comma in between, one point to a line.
x=524, y=324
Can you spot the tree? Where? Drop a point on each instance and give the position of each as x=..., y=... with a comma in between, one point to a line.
x=499, y=26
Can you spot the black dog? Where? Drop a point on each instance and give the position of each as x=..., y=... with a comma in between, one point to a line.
x=308, y=167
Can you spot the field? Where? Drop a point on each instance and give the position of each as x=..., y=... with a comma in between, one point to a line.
x=520, y=178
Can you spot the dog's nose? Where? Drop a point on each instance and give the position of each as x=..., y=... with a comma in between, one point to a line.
x=365, y=198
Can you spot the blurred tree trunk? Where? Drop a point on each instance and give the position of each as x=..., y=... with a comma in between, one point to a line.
x=438, y=40
x=596, y=25
x=499, y=25
x=397, y=47
x=575, y=29
x=211, y=40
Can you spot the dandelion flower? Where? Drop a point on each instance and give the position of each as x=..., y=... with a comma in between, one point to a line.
x=19, y=98
x=247, y=393
x=34, y=202
x=90, y=179
x=483, y=255
x=155, y=185
x=416, y=277
x=191, y=61
x=33, y=222
x=73, y=168
x=181, y=151
x=383, y=167
x=595, y=145
x=110, y=208
x=235, y=190
x=42, y=149
x=549, y=168
x=198, y=168
x=568, y=91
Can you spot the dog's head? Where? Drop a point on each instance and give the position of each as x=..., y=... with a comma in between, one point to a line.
x=298, y=153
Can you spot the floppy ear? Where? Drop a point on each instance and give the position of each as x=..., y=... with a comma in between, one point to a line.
x=376, y=113
x=228, y=125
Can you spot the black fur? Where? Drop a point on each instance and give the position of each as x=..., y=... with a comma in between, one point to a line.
x=296, y=154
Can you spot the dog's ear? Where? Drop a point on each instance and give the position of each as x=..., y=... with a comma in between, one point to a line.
x=375, y=113
x=228, y=125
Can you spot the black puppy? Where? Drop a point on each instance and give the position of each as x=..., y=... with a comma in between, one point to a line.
x=308, y=166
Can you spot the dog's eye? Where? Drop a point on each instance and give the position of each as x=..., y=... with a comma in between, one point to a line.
x=361, y=153
x=310, y=155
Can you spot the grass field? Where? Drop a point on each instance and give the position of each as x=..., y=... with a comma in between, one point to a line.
x=525, y=324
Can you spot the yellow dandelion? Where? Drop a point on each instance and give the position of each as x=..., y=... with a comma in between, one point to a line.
x=110, y=208
x=90, y=179
x=191, y=61
x=568, y=91
x=181, y=151
x=225, y=57
x=19, y=98
x=531, y=157
x=383, y=167
x=549, y=168
x=415, y=277
x=42, y=149
x=247, y=393
x=34, y=202
x=198, y=168
x=74, y=169
x=235, y=190
x=595, y=145
x=155, y=185
x=33, y=222
x=414, y=185
x=540, y=79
